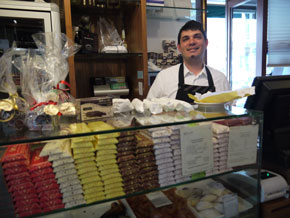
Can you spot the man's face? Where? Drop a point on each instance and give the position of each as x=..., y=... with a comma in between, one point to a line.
x=192, y=44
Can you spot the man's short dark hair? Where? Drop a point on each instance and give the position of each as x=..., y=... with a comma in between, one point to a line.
x=191, y=25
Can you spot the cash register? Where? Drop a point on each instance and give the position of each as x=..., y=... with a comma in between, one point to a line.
x=273, y=185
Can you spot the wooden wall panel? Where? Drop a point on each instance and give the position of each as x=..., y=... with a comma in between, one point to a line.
x=69, y=33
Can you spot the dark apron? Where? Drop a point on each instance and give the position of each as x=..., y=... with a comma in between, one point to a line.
x=184, y=89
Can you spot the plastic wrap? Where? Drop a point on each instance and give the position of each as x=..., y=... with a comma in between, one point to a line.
x=13, y=107
x=43, y=75
x=109, y=38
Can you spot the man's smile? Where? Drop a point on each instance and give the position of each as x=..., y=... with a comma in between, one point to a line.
x=193, y=49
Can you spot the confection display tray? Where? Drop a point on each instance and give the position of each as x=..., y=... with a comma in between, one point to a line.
x=243, y=205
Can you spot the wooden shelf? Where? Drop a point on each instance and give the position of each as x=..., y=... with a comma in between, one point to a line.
x=132, y=17
x=102, y=56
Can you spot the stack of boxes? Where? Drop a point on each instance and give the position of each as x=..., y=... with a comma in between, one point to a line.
x=163, y=154
x=220, y=147
x=45, y=182
x=84, y=156
x=59, y=153
x=146, y=161
x=106, y=149
x=129, y=169
x=6, y=203
x=15, y=163
x=176, y=150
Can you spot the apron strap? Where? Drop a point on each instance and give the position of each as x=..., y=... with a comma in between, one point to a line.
x=210, y=80
x=180, y=76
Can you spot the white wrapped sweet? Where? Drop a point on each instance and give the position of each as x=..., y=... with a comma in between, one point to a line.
x=153, y=107
x=138, y=105
x=169, y=104
x=166, y=103
x=122, y=105
x=67, y=108
x=182, y=105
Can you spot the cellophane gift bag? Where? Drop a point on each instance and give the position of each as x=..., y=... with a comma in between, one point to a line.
x=43, y=80
x=109, y=38
x=12, y=107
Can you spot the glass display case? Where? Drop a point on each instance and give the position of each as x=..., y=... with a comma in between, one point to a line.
x=174, y=164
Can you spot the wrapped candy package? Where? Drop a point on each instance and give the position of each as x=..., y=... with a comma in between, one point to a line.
x=43, y=73
x=12, y=109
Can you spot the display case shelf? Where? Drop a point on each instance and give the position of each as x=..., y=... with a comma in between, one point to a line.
x=99, y=56
x=9, y=135
x=185, y=184
x=90, y=9
x=173, y=13
x=138, y=123
x=172, y=7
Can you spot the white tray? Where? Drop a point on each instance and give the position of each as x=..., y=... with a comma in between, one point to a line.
x=242, y=207
x=211, y=107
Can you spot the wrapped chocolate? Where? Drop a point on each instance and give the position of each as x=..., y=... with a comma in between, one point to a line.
x=43, y=76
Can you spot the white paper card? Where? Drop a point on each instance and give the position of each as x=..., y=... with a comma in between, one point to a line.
x=231, y=205
x=158, y=199
x=196, y=149
x=242, y=145
x=140, y=88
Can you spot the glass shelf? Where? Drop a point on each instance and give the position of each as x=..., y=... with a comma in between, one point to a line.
x=238, y=169
x=173, y=13
x=94, y=56
x=87, y=9
x=169, y=7
x=10, y=136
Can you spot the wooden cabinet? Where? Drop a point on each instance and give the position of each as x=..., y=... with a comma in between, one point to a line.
x=131, y=15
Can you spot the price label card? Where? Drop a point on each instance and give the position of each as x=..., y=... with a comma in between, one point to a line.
x=196, y=149
x=242, y=145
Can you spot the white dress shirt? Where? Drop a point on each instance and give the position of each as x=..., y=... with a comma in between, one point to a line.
x=166, y=81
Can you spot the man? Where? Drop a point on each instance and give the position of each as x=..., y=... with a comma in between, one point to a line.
x=191, y=76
